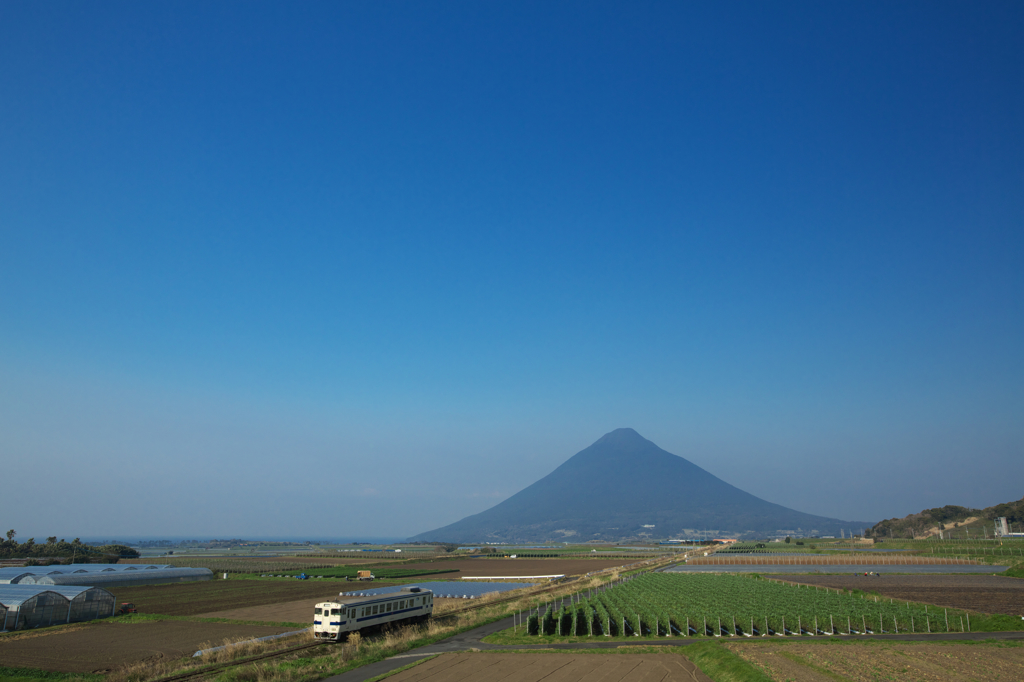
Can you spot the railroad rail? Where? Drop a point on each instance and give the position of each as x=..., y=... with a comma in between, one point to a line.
x=220, y=667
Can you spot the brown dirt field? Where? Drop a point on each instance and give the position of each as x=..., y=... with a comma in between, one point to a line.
x=300, y=611
x=984, y=593
x=833, y=560
x=487, y=667
x=105, y=646
x=270, y=561
x=193, y=599
x=516, y=567
x=872, y=661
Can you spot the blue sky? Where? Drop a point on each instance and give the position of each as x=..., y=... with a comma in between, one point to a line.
x=354, y=269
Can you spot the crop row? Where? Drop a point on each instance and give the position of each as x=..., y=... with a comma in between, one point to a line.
x=697, y=605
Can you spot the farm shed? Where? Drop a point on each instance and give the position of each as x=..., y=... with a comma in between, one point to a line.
x=30, y=606
x=121, y=578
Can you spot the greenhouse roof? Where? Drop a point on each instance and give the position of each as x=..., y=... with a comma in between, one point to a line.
x=14, y=595
x=9, y=573
x=99, y=578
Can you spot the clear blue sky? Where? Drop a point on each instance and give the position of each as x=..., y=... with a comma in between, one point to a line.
x=364, y=268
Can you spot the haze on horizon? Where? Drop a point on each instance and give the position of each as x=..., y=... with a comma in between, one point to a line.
x=363, y=269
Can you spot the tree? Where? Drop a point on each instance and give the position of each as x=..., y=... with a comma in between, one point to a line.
x=11, y=534
x=52, y=540
x=788, y=539
x=120, y=551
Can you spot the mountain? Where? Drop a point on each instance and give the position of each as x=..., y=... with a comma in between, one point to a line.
x=929, y=522
x=625, y=486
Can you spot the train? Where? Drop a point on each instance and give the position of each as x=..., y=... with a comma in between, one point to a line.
x=334, y=620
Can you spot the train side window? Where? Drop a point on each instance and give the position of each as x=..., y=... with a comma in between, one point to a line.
x=391, y=605
x=374, y=610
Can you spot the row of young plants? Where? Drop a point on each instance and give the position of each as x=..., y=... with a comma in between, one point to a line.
x=712, y=605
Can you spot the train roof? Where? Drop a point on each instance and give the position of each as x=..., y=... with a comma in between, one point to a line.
x=404, y=592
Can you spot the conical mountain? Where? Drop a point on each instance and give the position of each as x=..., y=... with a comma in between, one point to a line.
x=621, y=486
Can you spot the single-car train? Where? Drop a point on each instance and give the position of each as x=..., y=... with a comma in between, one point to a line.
x=334, y=620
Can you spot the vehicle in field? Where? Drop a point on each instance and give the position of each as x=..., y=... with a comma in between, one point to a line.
x=302, y=576
x=334, y=620
x=125, y=607
x=365, y=575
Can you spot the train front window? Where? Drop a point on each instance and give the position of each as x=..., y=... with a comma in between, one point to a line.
x=317, y=611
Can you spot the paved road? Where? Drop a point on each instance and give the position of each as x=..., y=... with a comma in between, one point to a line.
x=471, y=641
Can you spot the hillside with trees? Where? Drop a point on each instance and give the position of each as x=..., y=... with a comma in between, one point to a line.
x=930, y=521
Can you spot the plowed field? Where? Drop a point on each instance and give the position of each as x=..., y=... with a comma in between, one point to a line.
x=105, y=646
x=485, y=568
x=486, y=667
x=193, y=599
x=873, y=661
x=985, y=593
x=828, y=560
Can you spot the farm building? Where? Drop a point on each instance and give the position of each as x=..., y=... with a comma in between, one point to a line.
x=146, y=576
x=29, y=606
x=17, y=574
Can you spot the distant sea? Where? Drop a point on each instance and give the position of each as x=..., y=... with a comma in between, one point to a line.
x=135, y=539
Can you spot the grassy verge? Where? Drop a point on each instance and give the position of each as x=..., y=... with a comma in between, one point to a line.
x=1014, y=572
x=31, y=675
x=722, y=665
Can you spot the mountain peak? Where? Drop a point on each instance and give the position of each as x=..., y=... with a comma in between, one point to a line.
x=622, y=434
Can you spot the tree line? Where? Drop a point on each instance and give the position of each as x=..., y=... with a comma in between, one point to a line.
x=62, y=551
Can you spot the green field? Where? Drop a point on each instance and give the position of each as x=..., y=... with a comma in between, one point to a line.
x=705, y=605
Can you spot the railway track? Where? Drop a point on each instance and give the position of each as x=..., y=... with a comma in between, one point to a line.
x=208, y=670
x=215, y=668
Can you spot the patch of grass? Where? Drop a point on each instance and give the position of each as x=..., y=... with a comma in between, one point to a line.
x=722, y=665
x=1014, y=572
x=32, y=675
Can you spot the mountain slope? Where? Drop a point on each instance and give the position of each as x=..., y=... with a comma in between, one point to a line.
x=620, y=484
